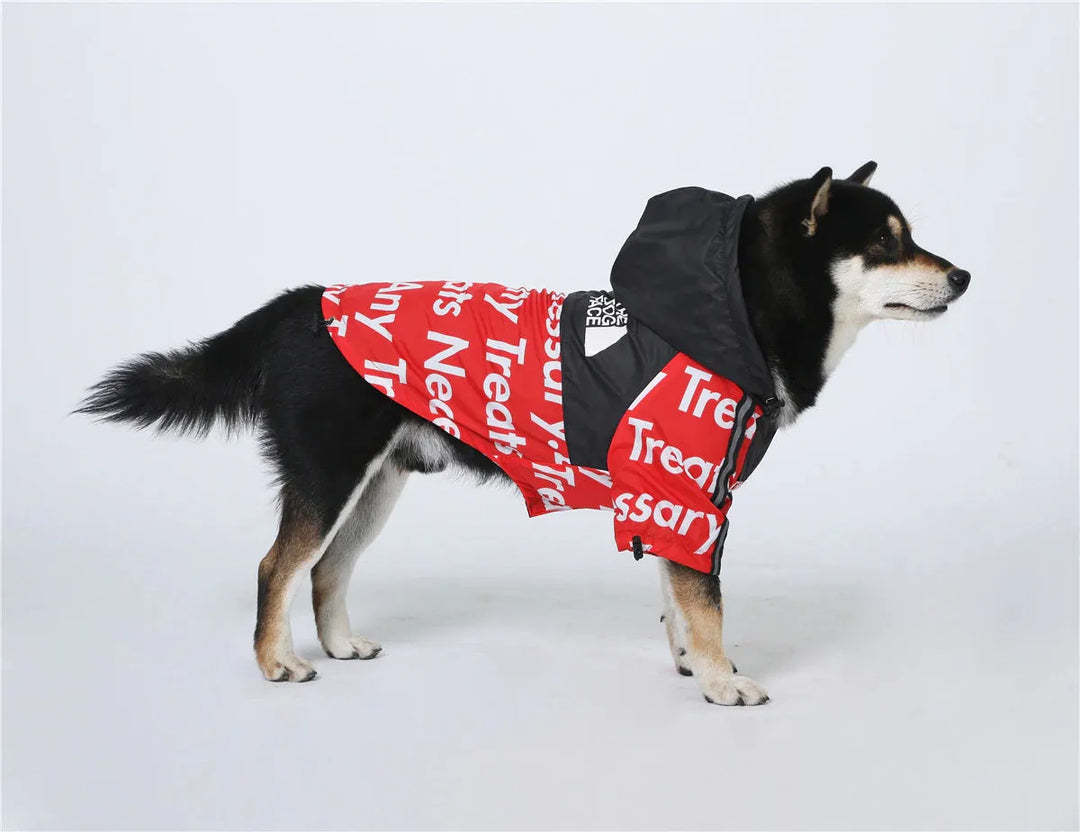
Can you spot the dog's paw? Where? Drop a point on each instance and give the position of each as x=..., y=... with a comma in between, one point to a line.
x=733, y=690
x=287, y=668
x=352, y=647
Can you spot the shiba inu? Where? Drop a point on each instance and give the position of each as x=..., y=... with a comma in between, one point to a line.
x=654, y=399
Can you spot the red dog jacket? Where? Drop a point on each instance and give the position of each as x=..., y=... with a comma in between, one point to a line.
x=577, y=399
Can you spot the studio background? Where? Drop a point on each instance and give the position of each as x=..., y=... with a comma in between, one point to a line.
x=901, y=573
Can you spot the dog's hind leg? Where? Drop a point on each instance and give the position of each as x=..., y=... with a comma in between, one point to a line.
x=699, y=623
x=297, y=547
x=330, y=577
x=304, y=537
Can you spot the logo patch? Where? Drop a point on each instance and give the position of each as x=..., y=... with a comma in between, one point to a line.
x=605, y=322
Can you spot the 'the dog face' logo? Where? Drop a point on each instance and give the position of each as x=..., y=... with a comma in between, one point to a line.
x=605, y=322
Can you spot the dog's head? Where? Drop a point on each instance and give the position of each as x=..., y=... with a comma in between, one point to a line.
x=877, y=269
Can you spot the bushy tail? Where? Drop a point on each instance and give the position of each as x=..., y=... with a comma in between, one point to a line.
x=213, y=381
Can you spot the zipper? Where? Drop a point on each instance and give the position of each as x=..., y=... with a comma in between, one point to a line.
x=743, y=415
x=722, y=495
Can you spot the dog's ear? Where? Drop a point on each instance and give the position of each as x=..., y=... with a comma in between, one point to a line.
x=820, y=183
x=863, y=174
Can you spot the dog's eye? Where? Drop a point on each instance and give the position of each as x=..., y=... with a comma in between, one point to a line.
x=884, y=238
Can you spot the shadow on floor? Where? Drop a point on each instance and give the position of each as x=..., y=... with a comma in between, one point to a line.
x=770, y=625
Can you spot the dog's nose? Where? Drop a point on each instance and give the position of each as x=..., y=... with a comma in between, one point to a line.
x=959, y=279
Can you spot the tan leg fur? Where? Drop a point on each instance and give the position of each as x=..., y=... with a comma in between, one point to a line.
x=695, y=619
x=294, y=551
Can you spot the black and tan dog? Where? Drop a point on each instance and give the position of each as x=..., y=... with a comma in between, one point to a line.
x=817, y=259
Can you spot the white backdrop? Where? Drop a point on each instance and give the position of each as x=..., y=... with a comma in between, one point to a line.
x=901, y=573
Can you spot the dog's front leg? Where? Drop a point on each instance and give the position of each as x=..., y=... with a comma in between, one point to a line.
x=673, y=622
x=694, y=615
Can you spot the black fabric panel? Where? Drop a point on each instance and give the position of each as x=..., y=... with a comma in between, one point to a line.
x=598, y=389
x=678, y=273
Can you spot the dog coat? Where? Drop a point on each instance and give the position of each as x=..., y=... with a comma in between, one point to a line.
x=651, y=400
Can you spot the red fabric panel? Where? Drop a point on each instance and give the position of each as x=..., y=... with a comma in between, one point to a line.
x=482, y=362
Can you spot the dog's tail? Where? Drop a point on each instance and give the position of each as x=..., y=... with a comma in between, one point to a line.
x=216, y=380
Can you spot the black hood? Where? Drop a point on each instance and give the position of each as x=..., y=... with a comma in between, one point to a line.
x=678, y=274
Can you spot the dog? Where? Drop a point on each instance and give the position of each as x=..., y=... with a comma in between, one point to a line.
x=814, y=260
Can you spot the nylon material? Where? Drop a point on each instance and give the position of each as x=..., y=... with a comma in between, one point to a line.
x=486, y=363
x=599, y=389
x=678, y=273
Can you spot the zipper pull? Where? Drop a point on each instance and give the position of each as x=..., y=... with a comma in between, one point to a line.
x=771, y=406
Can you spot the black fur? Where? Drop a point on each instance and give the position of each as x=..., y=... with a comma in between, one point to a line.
x=785, y=274
x=214, y=380
x=278, y=370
